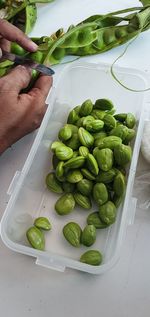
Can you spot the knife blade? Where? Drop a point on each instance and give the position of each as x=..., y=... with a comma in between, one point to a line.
x=20, y=60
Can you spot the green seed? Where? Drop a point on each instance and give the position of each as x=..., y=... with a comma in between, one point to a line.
x=122, y=154
x=75, y=162
x=117, y=200
x=55, y=144
x=85, y=186
x=94, y=219
x=60, y=171
x=103, y=104
x=42, y=223
x=109, y=142
x=85, y=137
x=106, y=177
x=86, y=108
x=82, y=201
x=110, y=122
x=119, y=184
x=65, y=133
x=92, y=164
x=87, y=174
x=68, y=187
x=94, y=126
x=72, y=233
x=74, y=176
x=88, y=236
x=63, y=152
x=83, y=151
x=107, y=212
x=104, y=159
x=53, y=184
x=36, y=238
x=100, y=193
x=130, y=120
x=92, y=257
x=65, y=204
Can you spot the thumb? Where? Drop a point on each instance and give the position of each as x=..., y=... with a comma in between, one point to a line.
x=17, y=79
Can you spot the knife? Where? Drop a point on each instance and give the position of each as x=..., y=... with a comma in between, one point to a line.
x=20, y=60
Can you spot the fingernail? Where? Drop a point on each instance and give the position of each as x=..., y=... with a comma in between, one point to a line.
x=33, y=46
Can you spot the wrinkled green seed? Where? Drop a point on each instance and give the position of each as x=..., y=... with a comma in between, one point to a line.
x=107, y=212
x=92, y=164
x=65, y=204
x=94, y=219
x=82, y=201
x=88, y=236
x=103, y=104
x=53, y=184
x=72, y=233
x=86, y=173
x=104, y=159
x=91, y=257
x=74, y=176
x=86, y=107
x=85, y=187
x=36, y=238
x=63, y=152
x=83, y=151
x=100, y=193
x=42, y=223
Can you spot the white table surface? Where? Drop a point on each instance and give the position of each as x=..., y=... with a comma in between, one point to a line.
x=29, y=290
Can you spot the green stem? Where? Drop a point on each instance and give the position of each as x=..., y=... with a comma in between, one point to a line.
x=115, y=61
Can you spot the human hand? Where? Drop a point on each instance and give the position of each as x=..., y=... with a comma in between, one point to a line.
x=9, y=33
x=20, y=113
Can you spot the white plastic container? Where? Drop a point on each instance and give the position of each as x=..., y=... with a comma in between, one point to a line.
x=29, y=196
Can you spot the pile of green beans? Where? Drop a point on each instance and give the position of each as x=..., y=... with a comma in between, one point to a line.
x=89, y=162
